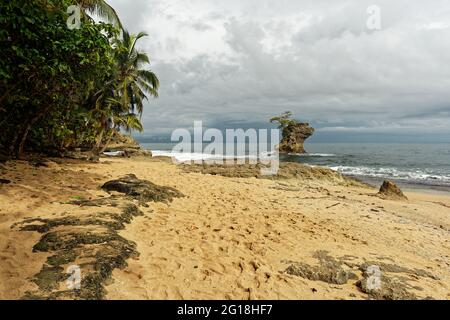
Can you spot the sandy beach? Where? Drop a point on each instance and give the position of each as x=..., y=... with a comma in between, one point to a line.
x=227, y=237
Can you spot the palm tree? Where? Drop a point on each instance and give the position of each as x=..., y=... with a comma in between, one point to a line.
x=110, y=120
x=120, y=103
x=134, y=81
x=102, y=9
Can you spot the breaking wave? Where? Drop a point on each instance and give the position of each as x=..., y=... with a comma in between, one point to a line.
x=415, y=175
x=312, y=154
x=192, y=156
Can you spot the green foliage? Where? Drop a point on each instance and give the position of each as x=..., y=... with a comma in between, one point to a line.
x=62, y=88
x=284, y=120
x=125, y=93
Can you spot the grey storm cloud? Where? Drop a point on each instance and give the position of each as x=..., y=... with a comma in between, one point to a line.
x=236, y=62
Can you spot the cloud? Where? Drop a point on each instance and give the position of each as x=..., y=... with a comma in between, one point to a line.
x=245, y=61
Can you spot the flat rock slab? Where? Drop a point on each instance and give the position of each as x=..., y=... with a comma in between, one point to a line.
x=142, y=190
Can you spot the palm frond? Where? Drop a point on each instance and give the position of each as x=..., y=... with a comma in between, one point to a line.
x=102, y=9
x=150, y=77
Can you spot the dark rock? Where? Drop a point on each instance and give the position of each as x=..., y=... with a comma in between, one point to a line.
x=329, y=270
x=114, y=221
x=384, y=288
x=389, y=190
x=314, y=273
x=142, y=190
x=111, y=201
x=91, y=242
x=39, y=163
x=294, y=136
x=48, y=278
x=5, y=181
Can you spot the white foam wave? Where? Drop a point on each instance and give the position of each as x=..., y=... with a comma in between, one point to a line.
x=413, y=175
x=113, y=153
x=187, y=157
x=312, y=154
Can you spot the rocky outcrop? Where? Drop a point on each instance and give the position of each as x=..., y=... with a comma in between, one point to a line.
x=328, y=270
x=90, y=242
x=118, y=145
x=390, y=190
x=294, y=136
x=142, y=190
x=379, y=280
x=382, y=281
x=126, y=145
x=287, y=170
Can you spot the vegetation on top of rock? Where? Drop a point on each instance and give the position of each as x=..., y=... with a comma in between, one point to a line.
x=294, y=133
x=284, y=120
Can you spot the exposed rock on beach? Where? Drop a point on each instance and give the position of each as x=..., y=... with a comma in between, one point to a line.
x=90, y=242
x=389, y=190
x=287, y=170
x=142, y=190
x=125, y=145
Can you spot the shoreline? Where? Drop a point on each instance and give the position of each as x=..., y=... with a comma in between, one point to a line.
x=227, y=237
x=371, y=180
x=408, y=186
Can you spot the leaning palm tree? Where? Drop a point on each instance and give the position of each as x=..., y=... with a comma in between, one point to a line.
x=134, y=82
x=120, y=103
x=102, y=9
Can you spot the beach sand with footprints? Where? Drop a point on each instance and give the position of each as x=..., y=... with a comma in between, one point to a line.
x=168, y=231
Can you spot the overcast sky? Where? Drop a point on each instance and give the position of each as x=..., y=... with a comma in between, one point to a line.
x=236, y=63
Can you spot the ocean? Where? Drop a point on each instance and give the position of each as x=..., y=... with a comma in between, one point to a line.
x=411, y=165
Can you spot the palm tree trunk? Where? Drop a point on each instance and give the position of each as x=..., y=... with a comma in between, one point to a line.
x=106, y=143
x=96, y=149
x=13, y=144
x=20, y=149
x=98, y=146
x=28, y=127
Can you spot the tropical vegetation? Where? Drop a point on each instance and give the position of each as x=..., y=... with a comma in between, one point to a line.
x=63, y=89
x=284, y=120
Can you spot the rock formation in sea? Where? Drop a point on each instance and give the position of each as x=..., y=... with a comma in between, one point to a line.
x=294, y=136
